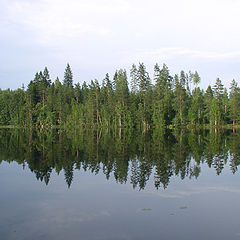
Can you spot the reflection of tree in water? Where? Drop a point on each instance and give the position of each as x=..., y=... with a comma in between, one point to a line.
x=234, y=152
x=43, y=175
x=163, y=147
x=129, y=156
x=140, y=172
x=68, y=172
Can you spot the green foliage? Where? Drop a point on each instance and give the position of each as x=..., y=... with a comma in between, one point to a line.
x=110, y=105
x=162, y=103
x=234, y=102
x=68, y=77
x=196, y=109
x=180, y=99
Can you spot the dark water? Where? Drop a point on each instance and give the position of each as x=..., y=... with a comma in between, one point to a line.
x=96, y=185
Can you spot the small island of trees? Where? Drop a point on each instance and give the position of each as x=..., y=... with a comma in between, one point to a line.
x=143, y=103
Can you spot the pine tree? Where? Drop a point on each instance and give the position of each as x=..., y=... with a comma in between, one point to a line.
x=234, y=101
x=68, y=77
x=121, y=97
x=195, y=112
x=196, y=78
x=218, y=107
x=143, y=80
x=180, y=98
x=218, y=89
x=145, y=96
x=134, y=79
x=46, y=77
x=208, y=100
x=162, y=103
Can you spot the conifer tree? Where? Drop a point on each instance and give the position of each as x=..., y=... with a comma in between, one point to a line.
x=208, y=100
x=134, y=79
x=196, y=78
x=180, y=98
x=68, y=77
x=145, y=96
x=234, y=101
x=218, y=108
x=162, y=104
x=46, y=77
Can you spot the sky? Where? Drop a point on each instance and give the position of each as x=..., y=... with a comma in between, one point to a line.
x=100, y=36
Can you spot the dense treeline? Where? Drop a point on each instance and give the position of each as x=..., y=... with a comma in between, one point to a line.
x=141, y=103
x=133, y=156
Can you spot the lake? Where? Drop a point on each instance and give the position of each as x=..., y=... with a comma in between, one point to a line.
x=119, y=185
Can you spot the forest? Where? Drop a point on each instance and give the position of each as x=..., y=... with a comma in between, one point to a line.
x=141, y=103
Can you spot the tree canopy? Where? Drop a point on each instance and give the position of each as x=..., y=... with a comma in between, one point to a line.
x=144, y=103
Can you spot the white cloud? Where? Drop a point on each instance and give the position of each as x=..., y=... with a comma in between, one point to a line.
x=58, y=21
x=175, y=52
x=206, y=24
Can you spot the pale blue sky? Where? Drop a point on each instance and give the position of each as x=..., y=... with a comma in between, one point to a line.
x=100, y=36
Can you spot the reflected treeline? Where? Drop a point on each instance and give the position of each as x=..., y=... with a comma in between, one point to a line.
x=126, y=155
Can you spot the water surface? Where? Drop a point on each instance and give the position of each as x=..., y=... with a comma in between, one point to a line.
x=96, y=185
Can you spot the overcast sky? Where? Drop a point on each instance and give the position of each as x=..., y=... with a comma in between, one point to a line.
x=100, y=36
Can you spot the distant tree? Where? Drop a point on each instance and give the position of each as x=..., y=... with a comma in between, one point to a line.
x=68, y=77
x=234, y=101
x=218, y=108
x=162, y=103
x=134, y=79
x=121, y=97
x=196, y=109
x=180, y=99
x=46, y=77
x=208, y=100
x=145, y=96
x=196, y=78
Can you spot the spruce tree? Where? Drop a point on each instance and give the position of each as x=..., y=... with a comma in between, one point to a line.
x=218, y=106
x=234, y=101
x=68, y=77
x=208, y=100
x=134, y=79
x=196, y=78
x=46, y=76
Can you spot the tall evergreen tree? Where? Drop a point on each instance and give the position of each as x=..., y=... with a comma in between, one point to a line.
x=196, y=78
x=46, y=77
x=162, y=103
x=218, y=107
x=234, y=101
x=180, y=99
x=68, y=76
x=208, y=100
x=121, y=97
x=134, y=79
x=196, y=109
x=145, y=96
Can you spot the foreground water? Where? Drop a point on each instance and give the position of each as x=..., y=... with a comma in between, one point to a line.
x=95, y=185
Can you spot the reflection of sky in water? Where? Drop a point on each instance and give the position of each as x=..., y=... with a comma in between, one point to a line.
x=95, y=208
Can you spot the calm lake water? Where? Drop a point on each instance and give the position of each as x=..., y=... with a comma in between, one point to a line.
x=128, y=185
